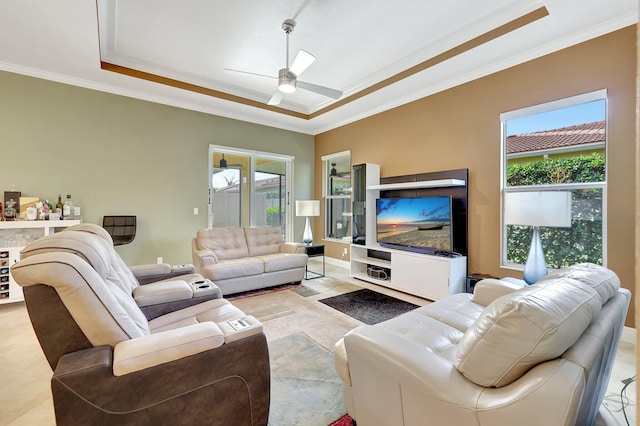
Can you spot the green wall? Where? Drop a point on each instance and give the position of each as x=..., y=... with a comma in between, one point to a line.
x=117, y=155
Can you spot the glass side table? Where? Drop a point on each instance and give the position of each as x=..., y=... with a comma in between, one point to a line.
x=314, y=250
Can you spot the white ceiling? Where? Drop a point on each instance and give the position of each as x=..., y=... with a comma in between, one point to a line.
x=358, y=43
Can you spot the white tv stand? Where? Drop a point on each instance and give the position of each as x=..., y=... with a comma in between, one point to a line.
x=423, y=275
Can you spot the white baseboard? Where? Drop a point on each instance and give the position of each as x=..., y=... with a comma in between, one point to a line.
x=332, y=261
x=629, y=335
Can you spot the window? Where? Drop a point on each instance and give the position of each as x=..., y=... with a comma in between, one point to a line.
x=558, y=146
x=249, y=188
x=337, y=194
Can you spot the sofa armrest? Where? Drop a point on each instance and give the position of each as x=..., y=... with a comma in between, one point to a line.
x=373, y=350
x=341, y=362
x=142, y=271
x=385, y=365
x=162, y=292
x=205, y=257
x=75, y=362
x=292, y=248
x=489, y=289
x=153, y=272
x=154, y=349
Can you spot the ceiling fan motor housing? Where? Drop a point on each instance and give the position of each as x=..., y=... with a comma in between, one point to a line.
x=288, y=25
x=286, y=81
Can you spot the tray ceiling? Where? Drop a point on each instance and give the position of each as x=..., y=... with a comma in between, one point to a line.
x=380, y=54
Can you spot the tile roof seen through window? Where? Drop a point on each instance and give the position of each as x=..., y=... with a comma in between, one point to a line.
x=581, y=134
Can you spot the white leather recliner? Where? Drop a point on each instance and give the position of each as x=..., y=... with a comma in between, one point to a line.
x=157, y=289
x=506, y=355
x=143, y=274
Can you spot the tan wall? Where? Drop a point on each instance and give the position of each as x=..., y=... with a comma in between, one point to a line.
x=637, y=178
x=460, y=128
x=117, y=155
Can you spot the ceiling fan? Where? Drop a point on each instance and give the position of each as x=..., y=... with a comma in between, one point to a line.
x=288, y=76
x=224, y=165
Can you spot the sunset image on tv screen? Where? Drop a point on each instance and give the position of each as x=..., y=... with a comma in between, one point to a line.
x=414, y=222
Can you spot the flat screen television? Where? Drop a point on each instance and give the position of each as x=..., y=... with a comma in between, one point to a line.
x=421, y=224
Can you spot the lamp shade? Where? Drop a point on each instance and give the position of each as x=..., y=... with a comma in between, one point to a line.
x=538, y=208
x=307, y=208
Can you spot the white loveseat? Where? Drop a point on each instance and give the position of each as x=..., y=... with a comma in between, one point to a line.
x=241, y=259
x=506, y=355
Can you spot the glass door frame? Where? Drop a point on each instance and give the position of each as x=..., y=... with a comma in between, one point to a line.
x=253, y=155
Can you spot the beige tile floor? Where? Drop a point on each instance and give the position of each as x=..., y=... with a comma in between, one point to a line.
x=25, y=398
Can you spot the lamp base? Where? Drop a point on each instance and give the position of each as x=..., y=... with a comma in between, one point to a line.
x=536, y=266
x=307, y=237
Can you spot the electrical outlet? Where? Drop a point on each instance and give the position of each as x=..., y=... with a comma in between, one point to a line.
x=344, y=251
x=195, y=211
x=159, y=260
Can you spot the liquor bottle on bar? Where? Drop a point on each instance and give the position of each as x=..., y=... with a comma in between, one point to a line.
x=60, y=206
x=68, y=208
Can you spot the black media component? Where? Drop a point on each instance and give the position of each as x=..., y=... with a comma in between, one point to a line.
x=474, y=279
x=359, y=196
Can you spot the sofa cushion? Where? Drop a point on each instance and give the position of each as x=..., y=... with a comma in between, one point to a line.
x=283, y=261
x=522, y=329
x=457, y=311
x=426, y=332
x=216, y=310
x=234, y=268
x=263, y=240
x=601, y=279
x=226, y=243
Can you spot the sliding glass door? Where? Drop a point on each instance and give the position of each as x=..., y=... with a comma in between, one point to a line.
x=249, y=188
x=270, y=179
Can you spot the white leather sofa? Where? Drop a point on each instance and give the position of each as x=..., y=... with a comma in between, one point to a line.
x=506, y=355
x=242, y=259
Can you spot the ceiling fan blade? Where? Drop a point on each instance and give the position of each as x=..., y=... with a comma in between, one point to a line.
x=276, y=98
x=227, y=70
x=332, y=93
x=302, y=61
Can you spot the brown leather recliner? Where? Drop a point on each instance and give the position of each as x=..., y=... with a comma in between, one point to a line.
x=205, y=364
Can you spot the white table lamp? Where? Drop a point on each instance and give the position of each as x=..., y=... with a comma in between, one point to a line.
x=307, y=208
x=536, y=208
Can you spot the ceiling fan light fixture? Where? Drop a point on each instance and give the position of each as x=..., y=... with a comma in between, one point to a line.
x=286, y=81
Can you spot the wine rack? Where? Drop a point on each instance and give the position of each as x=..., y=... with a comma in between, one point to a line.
x=14, y=235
